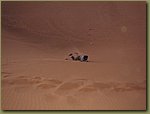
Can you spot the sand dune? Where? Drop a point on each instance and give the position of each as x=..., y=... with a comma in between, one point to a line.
x=75, y=93
x=37, y=37
x=75, y=89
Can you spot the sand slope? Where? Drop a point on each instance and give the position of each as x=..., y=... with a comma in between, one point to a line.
x=37, y=38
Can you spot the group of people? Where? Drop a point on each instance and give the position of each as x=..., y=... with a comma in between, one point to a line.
x=76, y=57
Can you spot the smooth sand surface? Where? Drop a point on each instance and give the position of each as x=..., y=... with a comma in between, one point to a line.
x=37, y=37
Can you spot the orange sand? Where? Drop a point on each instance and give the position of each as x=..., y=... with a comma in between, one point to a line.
x=37, y=36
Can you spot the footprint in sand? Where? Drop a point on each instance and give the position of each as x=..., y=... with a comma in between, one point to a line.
x=87, y=89
x=102, y=86
x=21, y=81
x=48, y=83
x=113, y=86
x=52, y=81
x=95, y=86
x=45, y=86
x=130, y=87
x=70, y=86
x=36, y=80
x=26, y=81
x=16, y=81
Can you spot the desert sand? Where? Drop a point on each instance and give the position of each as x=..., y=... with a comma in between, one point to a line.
x=36, y=38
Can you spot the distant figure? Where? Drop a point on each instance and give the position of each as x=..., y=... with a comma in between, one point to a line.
x=76, y=57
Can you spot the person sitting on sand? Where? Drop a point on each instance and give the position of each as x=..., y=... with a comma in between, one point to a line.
x=76, y=57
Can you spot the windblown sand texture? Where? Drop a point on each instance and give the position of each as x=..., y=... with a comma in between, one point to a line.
x=37, y=37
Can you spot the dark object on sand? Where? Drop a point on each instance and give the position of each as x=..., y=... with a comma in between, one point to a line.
x=77, y=57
